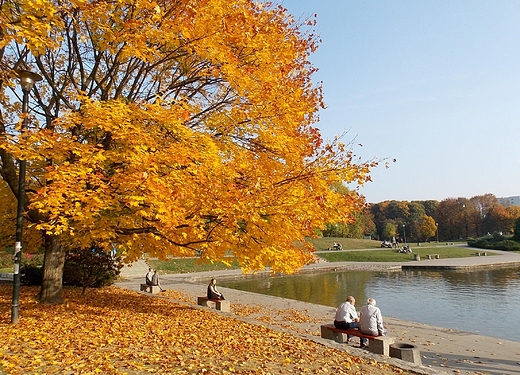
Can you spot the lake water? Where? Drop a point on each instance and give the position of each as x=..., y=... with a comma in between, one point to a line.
x=485, y=302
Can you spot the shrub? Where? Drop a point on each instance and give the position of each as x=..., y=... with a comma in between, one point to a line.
x=31, y=274
x=482, y=243
x=31, y=270
x=516, y=236
x=495, y=242
x=92, y=267
x=507, y=245
x=6, y=258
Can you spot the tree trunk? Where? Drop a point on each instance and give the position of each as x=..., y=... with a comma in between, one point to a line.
x=52, y=283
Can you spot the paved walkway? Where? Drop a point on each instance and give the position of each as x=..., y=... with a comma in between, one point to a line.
x=443, y=350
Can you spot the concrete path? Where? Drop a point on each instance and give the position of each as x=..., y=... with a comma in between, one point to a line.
x=443, y=350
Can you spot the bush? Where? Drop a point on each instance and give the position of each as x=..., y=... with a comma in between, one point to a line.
x=31, y=270
x=516, y=236
x=6, y=258
x=92, y=267
x=31, y=274
x=482, y=243
x=495, y=242
x=507, y=245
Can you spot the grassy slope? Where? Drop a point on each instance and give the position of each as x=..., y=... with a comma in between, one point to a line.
x=373, y=253
x=389, y=255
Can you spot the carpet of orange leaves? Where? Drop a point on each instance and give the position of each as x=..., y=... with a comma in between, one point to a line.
x=117, y=331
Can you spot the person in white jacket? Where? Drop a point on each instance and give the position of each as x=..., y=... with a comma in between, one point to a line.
x=371, y=320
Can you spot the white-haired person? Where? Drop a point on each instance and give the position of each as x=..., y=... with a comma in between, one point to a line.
x=371, y=320
x=346, y=316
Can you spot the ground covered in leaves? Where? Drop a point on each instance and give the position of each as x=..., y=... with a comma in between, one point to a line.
x=117, y=331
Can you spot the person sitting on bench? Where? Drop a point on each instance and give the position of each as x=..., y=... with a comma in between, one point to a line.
x=371, y=320
x=213, y=293
x=152, y=279
x=346, y=316
x=149, y=276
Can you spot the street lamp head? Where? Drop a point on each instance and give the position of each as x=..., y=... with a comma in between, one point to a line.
x=27, y=79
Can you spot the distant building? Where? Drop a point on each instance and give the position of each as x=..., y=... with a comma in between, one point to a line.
x=510, y=201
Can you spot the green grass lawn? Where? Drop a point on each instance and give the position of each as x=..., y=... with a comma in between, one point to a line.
x=325, y=243
x=185, y=265
x=389, y=255
x=374, y=253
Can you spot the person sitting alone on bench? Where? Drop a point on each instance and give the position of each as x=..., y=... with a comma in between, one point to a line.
x=213, y=293
x=346, y=316
x=371, y=320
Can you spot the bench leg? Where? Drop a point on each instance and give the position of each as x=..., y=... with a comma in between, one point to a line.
x=381, y=345
x=339, y=337
x=153, y=289
x=223, y=305
x=326, y=333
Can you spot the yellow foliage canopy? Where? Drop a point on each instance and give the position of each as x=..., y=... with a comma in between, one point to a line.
x=171, y=126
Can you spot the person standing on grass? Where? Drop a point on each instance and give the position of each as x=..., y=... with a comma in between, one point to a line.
x=213, y=292
x=371, y=320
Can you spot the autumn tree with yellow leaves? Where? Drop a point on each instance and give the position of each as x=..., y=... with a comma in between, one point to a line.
x=169, y=126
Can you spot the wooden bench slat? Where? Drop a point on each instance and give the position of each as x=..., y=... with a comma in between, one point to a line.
x=378, y=344
x=352, y=332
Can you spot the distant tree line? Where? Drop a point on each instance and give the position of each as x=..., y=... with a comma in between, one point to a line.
x=449, y=219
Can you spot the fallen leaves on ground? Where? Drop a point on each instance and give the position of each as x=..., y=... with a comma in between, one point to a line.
x=117, y=331
x=288, y=319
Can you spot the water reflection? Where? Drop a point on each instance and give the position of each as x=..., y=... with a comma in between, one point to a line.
x=486, y=302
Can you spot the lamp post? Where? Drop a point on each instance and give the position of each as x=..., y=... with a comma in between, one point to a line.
x=465, y=220
x=27, y=80
x=437, y=225
x=404, y=234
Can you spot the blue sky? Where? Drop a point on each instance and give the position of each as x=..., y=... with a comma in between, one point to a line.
x=433, y=84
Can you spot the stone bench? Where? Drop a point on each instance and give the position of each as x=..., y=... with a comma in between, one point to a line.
x=219, y=304
x=433, y=256
x=154, y=289
x=377, y=344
